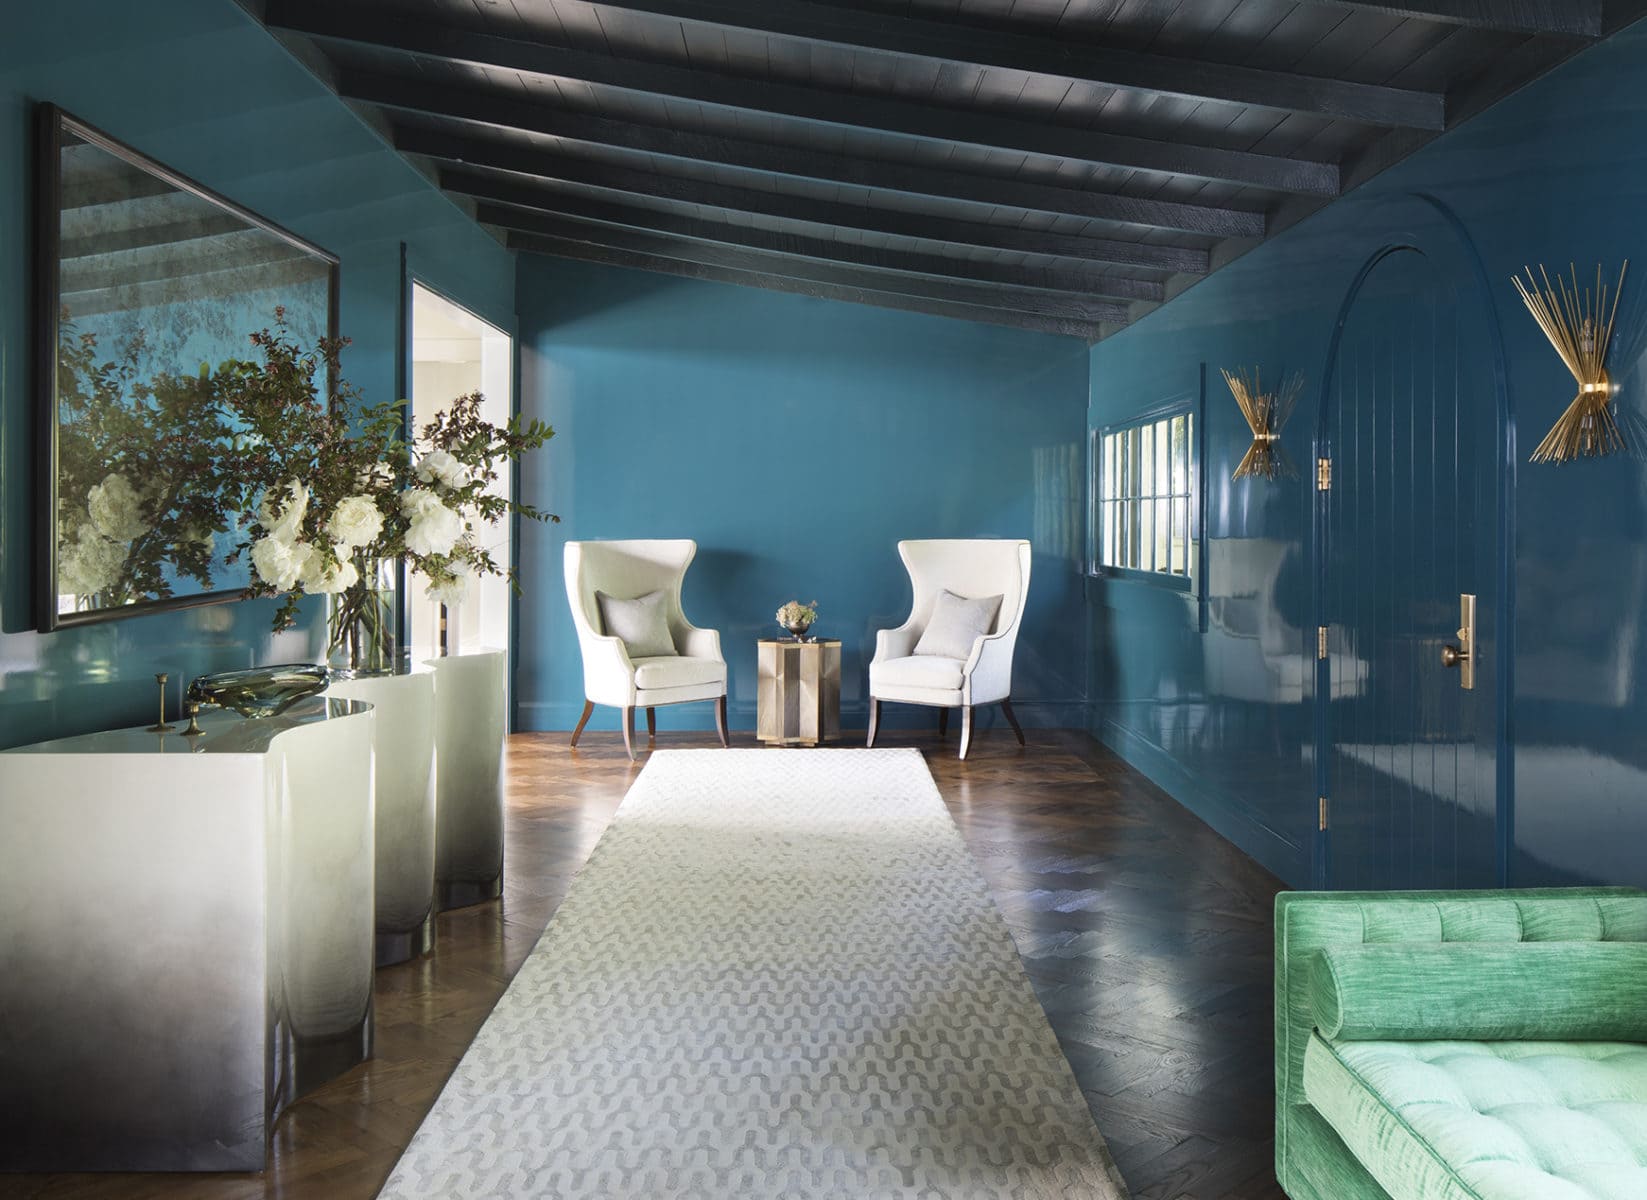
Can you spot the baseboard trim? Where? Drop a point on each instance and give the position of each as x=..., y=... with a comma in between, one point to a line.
x=560, y=716
x=1272, y=851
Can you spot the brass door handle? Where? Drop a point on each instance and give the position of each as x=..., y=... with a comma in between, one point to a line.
x=1462, y=655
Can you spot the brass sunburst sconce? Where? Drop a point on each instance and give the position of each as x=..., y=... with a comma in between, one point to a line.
x=1266, y=414
x=1579, y=324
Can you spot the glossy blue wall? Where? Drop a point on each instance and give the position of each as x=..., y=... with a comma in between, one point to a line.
x=198, y=85
x=1555, y=174
x=797, y=440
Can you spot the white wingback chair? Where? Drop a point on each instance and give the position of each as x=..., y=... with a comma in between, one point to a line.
x=971, y=568
x=625, y=570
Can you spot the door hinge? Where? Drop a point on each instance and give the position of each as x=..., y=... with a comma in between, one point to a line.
x=1323, y=474
x=1321, y=641
x=1323, y=812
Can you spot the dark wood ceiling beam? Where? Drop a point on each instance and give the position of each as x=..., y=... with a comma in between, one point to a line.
x=768, y=204
x=502, y=113
x=1072, y=62
x=1050, y=284
x=338, y=21
x=1037, y=301
x=1571, y=18
x=661, y=264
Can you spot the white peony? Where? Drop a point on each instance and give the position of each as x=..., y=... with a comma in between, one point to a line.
x=276, y=563
x=117, y=509
x=286, y=523
x=435, y=529
x=441, y=466
x=89, y=564
x=355, y=522
x=319, y=577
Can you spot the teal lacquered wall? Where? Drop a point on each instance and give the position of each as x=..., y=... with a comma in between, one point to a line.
x=198, y=85
x=1555, y=174
x=797, y=440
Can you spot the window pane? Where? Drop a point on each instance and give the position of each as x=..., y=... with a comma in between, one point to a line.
x=1180, y=457
x=1146, y=535
x=1163, y=534
x=1146, y=461
x=1108, y=524
x=1180, y=536
x=1163, y=468
x=1109, y=467
x=1129, y=533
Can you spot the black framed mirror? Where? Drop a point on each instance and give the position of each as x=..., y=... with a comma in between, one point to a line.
x=145, y=282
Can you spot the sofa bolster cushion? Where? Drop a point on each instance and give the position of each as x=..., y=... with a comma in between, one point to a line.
x=1482, y=991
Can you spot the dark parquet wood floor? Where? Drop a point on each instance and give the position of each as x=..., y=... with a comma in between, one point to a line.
x=1146, y=935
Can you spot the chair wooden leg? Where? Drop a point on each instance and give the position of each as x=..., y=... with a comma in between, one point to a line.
x=943, y=722
x=629, y=730
x=1012, y=720
x=874, y=720
x=720, y=719
x=966, y=729
x=652, y=727
x=588, y=707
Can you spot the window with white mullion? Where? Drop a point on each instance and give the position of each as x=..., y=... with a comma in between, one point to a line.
x=1143, y=518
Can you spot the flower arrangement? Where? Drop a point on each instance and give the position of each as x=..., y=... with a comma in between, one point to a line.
x=144, y=478
x=343, y=487
x=797, y=617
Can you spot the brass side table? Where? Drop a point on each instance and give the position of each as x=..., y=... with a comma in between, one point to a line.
x=799, y=691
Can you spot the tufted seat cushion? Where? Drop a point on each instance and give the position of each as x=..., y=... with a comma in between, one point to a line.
x=1488, y=1120
x=918, y=671
x=677, y=671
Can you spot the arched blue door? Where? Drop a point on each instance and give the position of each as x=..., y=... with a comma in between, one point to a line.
x=1410, y=422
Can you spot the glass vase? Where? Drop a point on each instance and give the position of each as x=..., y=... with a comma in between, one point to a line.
x=363, y=621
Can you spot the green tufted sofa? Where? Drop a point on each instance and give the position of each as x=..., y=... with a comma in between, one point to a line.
x=1461, y=1045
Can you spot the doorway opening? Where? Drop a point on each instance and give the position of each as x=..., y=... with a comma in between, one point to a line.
x=453, y=353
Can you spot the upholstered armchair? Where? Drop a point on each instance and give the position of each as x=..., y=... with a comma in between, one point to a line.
x=694, y=670
x=975, y=671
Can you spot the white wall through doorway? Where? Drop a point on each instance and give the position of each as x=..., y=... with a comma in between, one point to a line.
x=454, y=353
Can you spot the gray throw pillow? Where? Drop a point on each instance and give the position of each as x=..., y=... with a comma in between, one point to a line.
x=956, y=623
x=642, y=624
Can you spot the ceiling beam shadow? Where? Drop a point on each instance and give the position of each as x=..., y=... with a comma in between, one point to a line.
x=499, y=112
x=339, y=21
x=1048, y=57
x=1068, y=288
x=611, y=256
x=548, y=167
x=1572, y=18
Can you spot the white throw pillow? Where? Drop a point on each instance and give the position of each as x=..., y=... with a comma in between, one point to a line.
x=956, y=623
x=642, y=624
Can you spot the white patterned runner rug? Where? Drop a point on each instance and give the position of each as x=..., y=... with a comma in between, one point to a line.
x=780, y=975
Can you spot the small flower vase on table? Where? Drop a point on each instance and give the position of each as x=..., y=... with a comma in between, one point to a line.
x=797, y=618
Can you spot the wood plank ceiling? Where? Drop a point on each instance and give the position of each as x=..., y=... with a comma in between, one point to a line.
x=1060, y=165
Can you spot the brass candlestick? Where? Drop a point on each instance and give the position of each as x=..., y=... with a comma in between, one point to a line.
x=162, y=727
x=193, y=729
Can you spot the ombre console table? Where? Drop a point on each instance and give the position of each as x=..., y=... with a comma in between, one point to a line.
x=470, y=722
x=405, y=739
x=187, y=940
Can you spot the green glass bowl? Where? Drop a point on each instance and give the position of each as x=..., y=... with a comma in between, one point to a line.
x=260, y=691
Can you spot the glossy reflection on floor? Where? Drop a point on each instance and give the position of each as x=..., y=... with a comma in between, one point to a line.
x=1146, y=935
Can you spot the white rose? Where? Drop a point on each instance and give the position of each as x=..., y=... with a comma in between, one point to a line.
x=320, y=578
x=116, y=509
x=355, y=522
x=435, y=529
x=285, y=523
x=276, y=563
x=441, y=466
